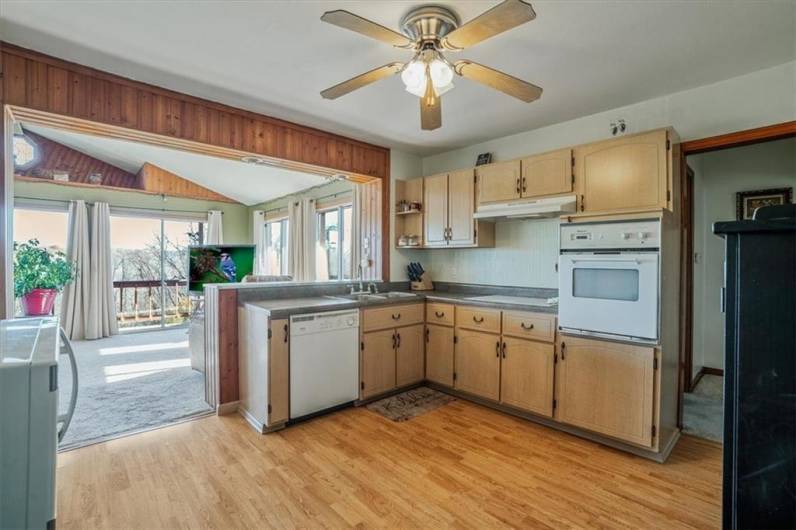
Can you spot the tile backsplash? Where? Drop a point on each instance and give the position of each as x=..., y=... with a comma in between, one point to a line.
x=525, y=255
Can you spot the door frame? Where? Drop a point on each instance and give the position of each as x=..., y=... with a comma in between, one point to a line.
x=757, y=135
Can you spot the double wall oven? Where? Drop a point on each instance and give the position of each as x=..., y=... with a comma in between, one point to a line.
x=609, y=280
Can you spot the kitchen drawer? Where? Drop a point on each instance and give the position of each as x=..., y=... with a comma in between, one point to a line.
x=441, y=314
x=537, y=326
x=478, y=318
x=392, y=316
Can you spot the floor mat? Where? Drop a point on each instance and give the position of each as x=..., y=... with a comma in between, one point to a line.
x=410, y=404
x=129, y=383
x=703, y=409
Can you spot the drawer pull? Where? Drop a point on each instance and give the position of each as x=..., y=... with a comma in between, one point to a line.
x=476, y=320
x=396, y=317
x=439, y=314
x=523, y=326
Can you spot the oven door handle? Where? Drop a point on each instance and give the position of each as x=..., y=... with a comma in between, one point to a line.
x=604, y=260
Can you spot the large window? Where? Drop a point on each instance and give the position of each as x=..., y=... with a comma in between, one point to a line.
x=334, y=237
x=276, y=245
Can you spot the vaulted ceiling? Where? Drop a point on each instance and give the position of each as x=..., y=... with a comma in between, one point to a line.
x=274, y=57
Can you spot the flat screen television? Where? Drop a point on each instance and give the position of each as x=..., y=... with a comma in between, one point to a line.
x=218, y=264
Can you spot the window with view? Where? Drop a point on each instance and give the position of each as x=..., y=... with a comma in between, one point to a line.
x=276, y=244
x=334, y=237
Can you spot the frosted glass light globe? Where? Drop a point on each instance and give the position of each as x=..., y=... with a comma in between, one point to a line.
x=414, y=77
x=441, y=73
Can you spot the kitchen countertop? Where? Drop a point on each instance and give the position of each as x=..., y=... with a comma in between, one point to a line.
x=283, y=308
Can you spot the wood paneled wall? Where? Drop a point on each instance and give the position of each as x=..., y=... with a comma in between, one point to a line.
x=155, y=179
x=40, y=82
x=58, y=157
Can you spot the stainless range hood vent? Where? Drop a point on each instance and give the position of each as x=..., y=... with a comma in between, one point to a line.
x=528, y=208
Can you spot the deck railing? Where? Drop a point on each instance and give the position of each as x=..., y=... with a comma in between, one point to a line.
x=139, y=302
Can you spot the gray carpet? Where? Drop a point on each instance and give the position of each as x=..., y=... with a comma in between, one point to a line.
x=129, y=383
x=703, y=410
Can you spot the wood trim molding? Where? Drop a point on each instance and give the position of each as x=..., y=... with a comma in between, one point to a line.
x=736, y=139
x=701, y=373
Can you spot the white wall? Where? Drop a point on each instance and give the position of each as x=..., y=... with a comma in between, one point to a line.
x=526, y=250
x=718, y=176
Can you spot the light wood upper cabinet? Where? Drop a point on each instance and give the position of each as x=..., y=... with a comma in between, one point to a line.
x=278, y=374
x=435, y=204
x=547, y=174
x=526, y=375
x=629, y=173
x=461, y=207
x=499, y=182
x=477, y=362
x=439, y=354
x=409, y=352
x=449, y=208
x=377, y=362
x=606, y=387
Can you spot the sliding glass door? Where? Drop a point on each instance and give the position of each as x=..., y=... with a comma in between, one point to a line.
x=334, y=236
x=150, y=270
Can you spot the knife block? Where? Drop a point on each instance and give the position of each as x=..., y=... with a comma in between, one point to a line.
x=425, y=283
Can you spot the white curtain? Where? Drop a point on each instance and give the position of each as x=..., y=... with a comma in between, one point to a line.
x=366, y=230
x=215, y=232
x=76, y=295
x=302, y=241
x=261, y=265
x=101, y=310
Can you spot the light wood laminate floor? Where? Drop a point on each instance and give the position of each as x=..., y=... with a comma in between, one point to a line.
x=462, y=465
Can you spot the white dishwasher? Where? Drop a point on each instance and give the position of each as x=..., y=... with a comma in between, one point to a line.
x=324, y=361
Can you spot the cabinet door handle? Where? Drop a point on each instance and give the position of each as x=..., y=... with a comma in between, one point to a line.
x=523, y=326
x=439, y=314
x=582, y=203
x=518, y=185
x=497, y=349
x=285, y=333
x=398, y=336
x=477, y=321
x=427, y=334
x=504, y=350
x=394, y=344
x=523, y=184
x=396, y=317
x=563, y=347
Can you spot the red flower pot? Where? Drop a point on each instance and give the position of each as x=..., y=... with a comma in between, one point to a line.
x=39, y=302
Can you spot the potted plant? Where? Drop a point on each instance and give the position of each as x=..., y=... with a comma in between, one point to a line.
x=39, y=274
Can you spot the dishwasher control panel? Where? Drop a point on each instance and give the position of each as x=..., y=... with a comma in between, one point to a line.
x=322, y=322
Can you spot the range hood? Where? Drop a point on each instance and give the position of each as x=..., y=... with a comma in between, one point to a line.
x=527, y=208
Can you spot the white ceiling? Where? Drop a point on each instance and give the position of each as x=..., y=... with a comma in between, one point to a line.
x=275, y=57
x=246, y=183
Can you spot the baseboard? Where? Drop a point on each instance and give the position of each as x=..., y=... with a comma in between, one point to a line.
x=227, y=408
x=705, y=370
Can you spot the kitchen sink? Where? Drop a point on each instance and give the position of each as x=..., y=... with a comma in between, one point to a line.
x=398, y=294
x=364, y=297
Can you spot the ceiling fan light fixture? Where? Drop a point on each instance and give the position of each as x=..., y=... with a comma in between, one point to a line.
x=416, y=75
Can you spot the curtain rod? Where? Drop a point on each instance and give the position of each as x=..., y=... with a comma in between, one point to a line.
x=60, y=201
x=331, y=195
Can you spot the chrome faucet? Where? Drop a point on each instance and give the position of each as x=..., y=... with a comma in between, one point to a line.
x=359, y=277
x=372, y=288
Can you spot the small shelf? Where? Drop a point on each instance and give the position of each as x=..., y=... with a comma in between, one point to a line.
x=409, y=212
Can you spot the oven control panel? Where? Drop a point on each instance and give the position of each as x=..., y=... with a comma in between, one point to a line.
x=616, y=235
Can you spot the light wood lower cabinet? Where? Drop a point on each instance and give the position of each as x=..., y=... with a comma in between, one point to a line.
x=526, y=375
x=409, y=358
x=607, y=387
x=477, y=362
x=378, y=362
x=439, y=354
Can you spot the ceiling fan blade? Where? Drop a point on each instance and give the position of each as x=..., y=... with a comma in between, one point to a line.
x=430, y=110
x=361, y=80
x=348, y=20
x=503, y=17
x=498, y=80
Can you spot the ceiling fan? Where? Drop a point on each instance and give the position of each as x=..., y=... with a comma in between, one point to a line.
x=428, y=31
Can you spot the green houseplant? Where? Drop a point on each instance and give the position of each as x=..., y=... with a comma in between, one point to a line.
x=39, y=274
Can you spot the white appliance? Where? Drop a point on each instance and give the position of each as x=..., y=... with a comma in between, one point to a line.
x=324, y=361
x=29, y=430
x=527, y=208
x=609, y=279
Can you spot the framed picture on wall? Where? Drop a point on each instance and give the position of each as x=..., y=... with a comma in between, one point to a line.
x=746, y=202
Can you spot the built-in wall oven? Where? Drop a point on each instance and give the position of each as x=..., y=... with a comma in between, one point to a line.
x=609, y=279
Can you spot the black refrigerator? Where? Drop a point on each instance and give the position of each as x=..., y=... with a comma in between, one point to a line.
x=759, y=299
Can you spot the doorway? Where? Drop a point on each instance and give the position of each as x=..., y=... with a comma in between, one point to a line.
x=715, y=171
